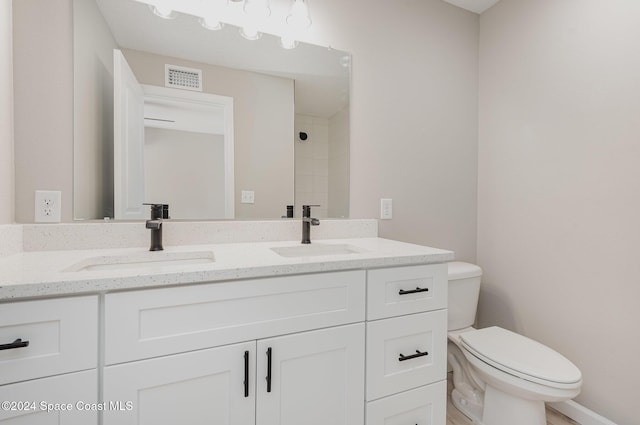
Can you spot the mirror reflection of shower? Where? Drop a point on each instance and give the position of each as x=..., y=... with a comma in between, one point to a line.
x=322, y=164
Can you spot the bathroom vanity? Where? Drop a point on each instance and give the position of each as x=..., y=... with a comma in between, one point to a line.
x=251, y=337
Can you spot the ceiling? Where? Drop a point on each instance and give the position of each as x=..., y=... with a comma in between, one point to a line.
x=476, y=6
x=321, y=74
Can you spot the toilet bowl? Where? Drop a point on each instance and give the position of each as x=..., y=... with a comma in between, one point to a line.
x=500, y=377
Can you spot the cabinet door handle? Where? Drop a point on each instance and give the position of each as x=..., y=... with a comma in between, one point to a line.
x=18, y=343
x=246, y=374
x=268, y=370
x=413, y=291
x=402, y=357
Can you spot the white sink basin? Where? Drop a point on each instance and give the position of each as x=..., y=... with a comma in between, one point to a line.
x=314, y=250
x=143, y=260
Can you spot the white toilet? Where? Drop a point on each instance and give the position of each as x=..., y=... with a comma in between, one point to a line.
x=500, y=377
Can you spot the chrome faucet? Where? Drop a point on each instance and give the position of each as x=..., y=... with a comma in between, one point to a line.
x=159, y=212
x=307, y=222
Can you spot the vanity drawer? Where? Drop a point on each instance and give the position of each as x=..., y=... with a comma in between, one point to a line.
x=422, y=406
x=29, y=401
x=156, y=322
x=62, y=337
x=406, y=290
x=420, y=338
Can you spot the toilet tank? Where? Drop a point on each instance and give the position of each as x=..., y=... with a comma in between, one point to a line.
x=464, y=290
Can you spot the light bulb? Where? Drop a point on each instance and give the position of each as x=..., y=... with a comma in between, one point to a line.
x=162, y=9
x=250, y=32
x=288, y=42
x=211, y=23
x=257, y=8
x=299, y=15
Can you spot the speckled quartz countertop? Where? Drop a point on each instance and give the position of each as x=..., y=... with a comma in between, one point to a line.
x=53, y=273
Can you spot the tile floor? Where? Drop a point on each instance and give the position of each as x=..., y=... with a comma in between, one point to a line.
x=454, y=417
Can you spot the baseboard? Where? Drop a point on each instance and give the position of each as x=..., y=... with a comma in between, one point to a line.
x=579, y=413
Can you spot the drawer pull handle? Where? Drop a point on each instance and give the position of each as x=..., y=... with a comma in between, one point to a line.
x=246, y=374
x=18, y=343
x=268, y=370
x=412, y=356
x=413, y=291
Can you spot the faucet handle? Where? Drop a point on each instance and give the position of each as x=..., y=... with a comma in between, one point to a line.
x=159, y=211
x=306, y=210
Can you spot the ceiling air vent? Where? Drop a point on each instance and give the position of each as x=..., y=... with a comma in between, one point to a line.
x=180, y=77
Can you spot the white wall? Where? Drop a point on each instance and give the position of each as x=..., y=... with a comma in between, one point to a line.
x=6, y=115
x=186, y=171
x=559, y=186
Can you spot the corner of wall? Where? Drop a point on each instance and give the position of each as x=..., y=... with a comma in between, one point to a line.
x=7, y=168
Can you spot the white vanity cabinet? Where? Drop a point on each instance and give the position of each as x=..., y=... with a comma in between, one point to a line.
x=213, y=386
x=356, y=347
x=312, y=378
x=48, y=360
x=406, y=345
x=284, y=350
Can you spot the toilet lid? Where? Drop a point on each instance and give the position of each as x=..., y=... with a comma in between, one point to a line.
x=520, y=356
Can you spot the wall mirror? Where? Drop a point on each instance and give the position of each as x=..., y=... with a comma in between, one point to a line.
x=278, y=134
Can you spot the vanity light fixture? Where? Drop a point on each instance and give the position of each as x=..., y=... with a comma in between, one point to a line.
x=250, y=32
x=257, y=8
x=162, y=9
x=288, y=42
x=252, y=18
x=211, y=23
x=211, y=17
x=255, y=11
x=299, y=17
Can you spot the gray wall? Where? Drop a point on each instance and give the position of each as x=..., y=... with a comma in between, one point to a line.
x=414, y=110
x=43, y=103
x=338, y=154
x=559, y=186
x=6, y=115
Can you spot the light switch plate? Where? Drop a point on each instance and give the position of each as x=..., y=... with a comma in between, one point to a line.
x=386, y=209
x=248, y=197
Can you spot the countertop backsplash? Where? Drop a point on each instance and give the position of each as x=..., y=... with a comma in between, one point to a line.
x=16, y=238
x=11, y=239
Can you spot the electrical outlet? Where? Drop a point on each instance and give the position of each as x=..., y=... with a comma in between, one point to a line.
x=247, y=197
x=386, y=209
x=48, y=206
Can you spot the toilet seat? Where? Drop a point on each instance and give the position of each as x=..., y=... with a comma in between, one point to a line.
x=520, y=356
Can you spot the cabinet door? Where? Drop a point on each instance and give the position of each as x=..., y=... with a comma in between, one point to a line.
x=316, y=378
x=71, y=400
x=214, y=386
x=422, y=406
